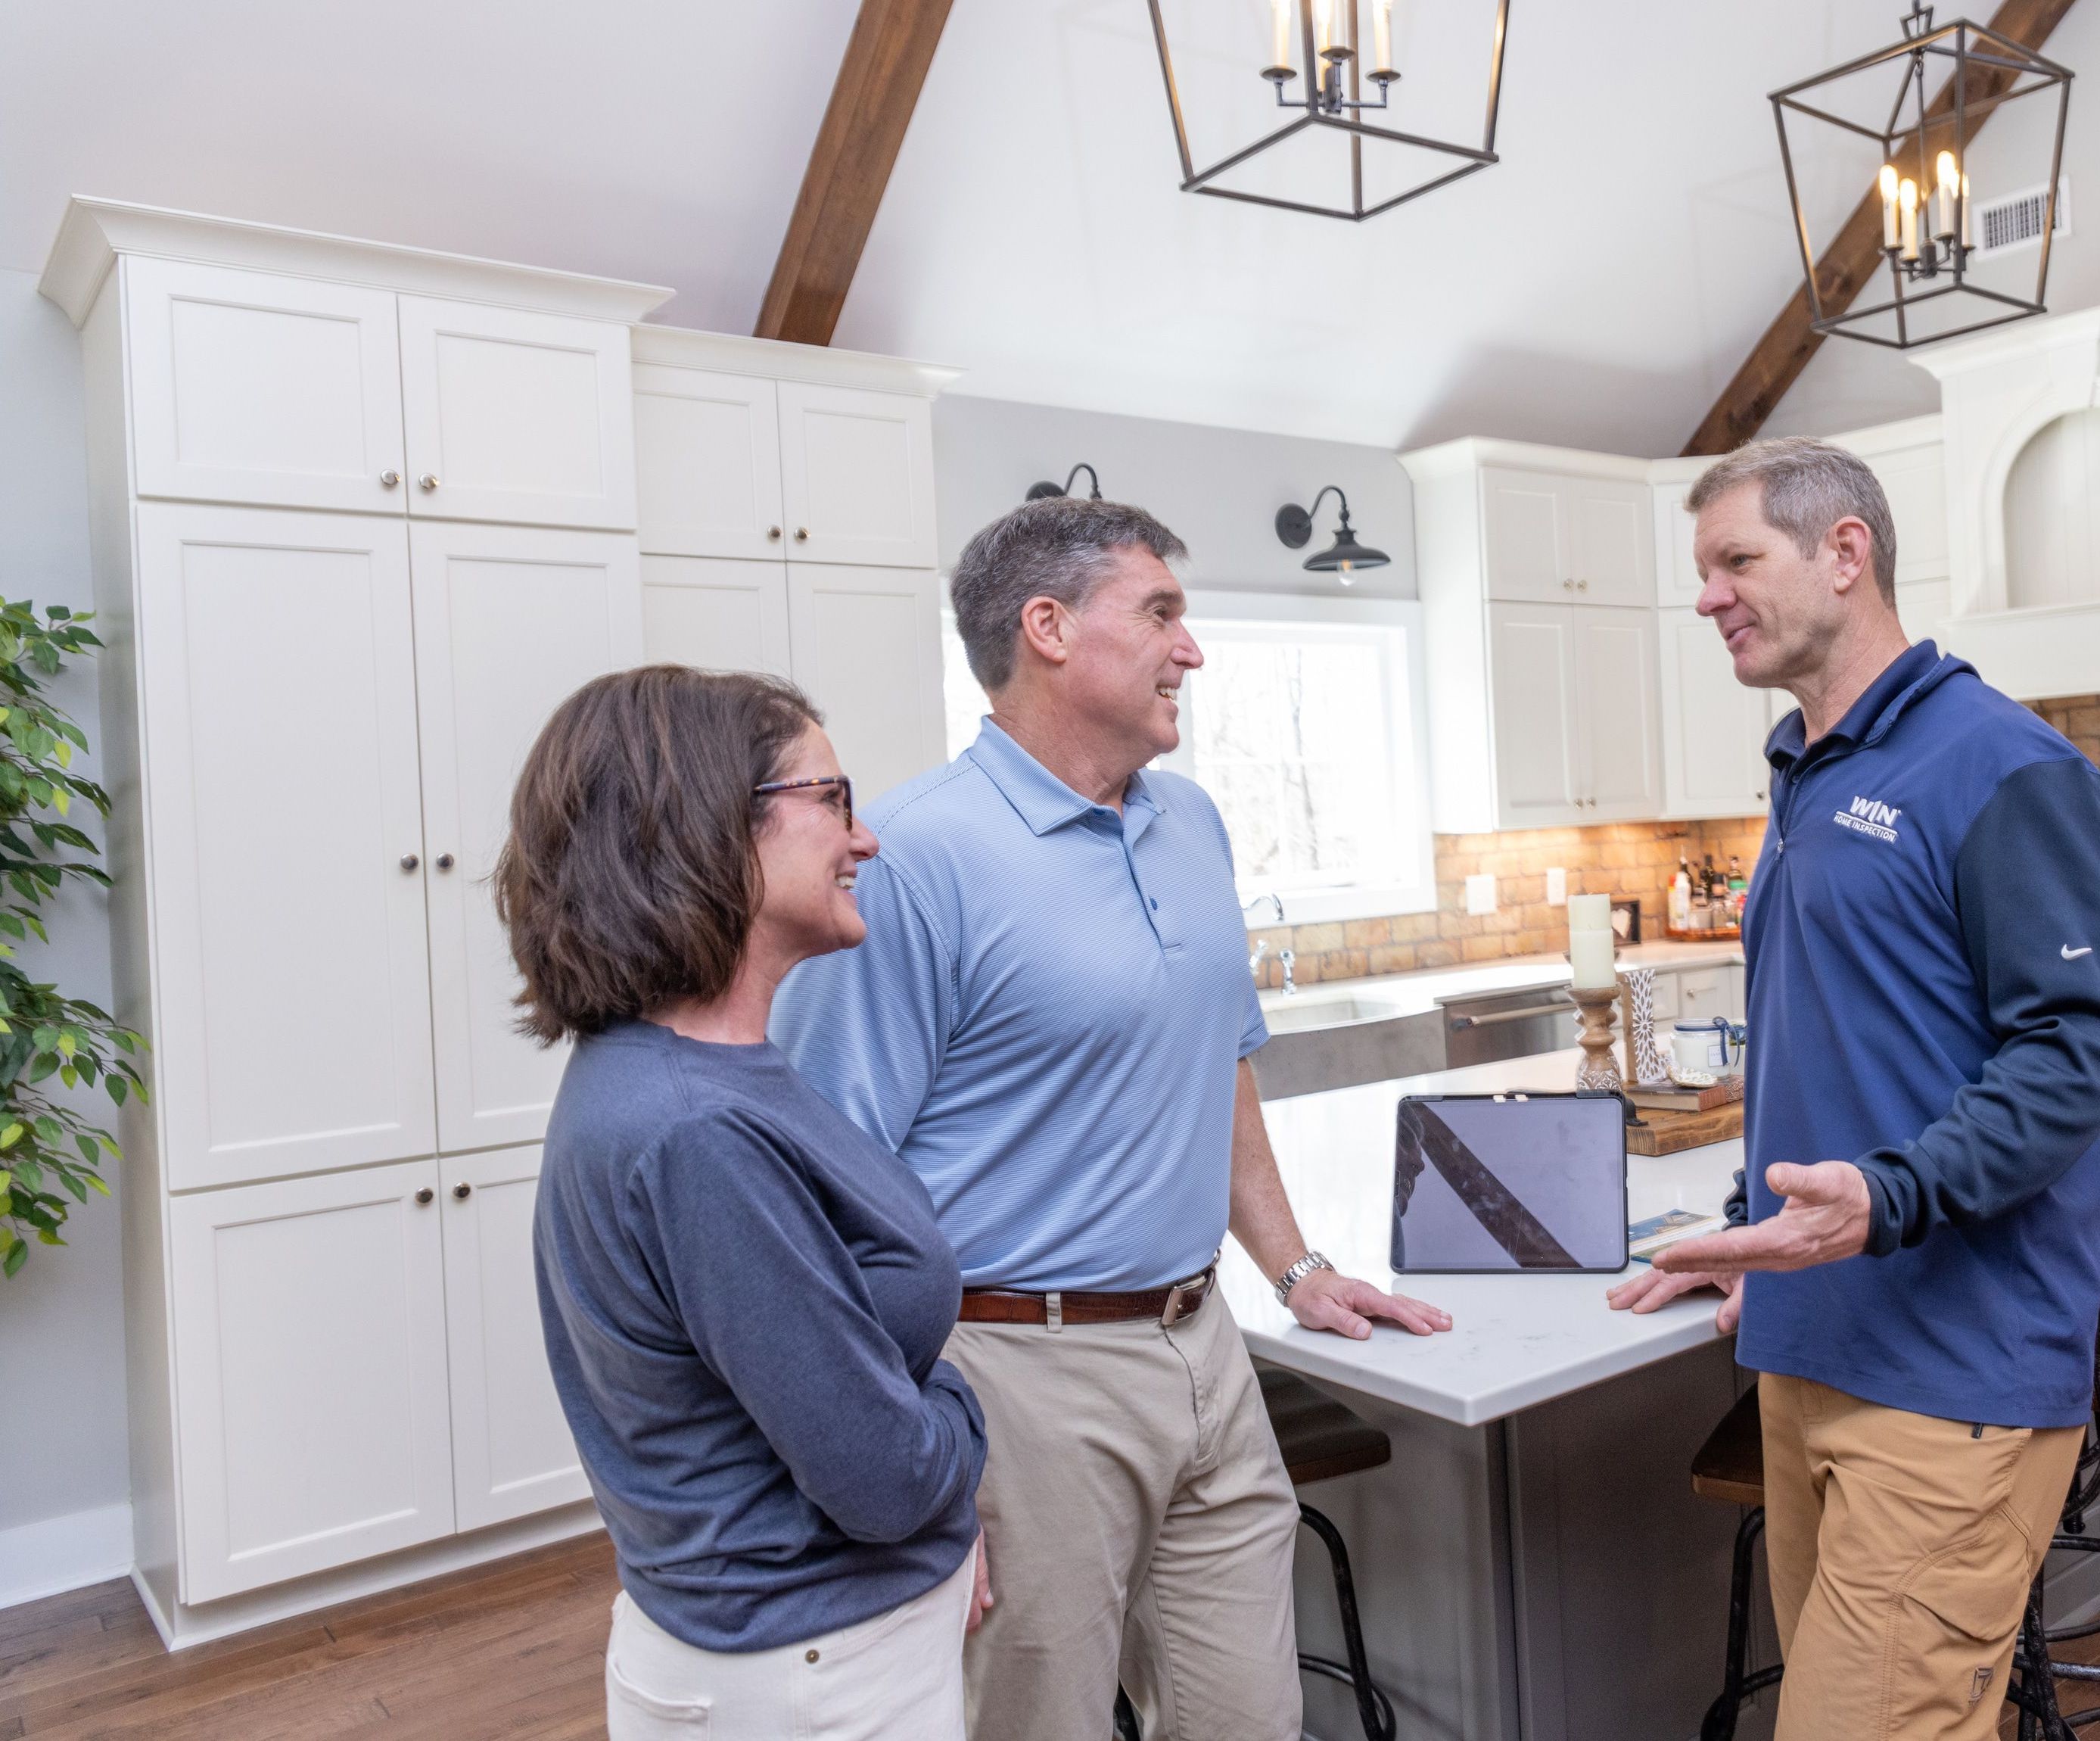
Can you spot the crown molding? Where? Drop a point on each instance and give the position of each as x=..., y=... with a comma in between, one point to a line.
x=683, y=347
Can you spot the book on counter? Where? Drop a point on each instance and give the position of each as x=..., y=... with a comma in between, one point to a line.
x=1667, y=1097
x=1644, y=1239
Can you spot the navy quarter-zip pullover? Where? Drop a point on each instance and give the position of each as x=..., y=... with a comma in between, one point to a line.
x=1924, y=1000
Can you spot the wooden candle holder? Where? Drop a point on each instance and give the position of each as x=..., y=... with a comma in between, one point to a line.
x=1600, y=1069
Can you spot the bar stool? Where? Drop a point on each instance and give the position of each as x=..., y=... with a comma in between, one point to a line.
x=1730, y=1467
x=1320, y=1439
x=2035, y=1692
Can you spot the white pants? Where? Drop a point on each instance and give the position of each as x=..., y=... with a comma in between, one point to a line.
x=897, y=1677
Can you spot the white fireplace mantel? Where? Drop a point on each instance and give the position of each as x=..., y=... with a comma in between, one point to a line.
x=1998, y=391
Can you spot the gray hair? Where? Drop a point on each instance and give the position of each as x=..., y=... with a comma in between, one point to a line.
x=1059, y=548
x=1809, y=486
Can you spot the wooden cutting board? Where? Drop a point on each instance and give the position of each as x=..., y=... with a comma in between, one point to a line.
x=1667, y=1132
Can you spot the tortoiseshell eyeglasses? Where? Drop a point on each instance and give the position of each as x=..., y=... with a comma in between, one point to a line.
x=839, y=781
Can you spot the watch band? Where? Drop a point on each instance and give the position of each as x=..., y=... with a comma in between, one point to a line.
x=1298, y=1272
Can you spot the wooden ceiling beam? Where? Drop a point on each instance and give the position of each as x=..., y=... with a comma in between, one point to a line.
x=886, y=59
x=1851, y=261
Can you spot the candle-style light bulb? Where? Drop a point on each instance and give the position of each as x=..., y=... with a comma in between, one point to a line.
x=1286, y=16
x=1890, y=236
x=1907, y=199
x=1381, y=35
x=1965, y=241
x=1323, y=26
x=1943, y=208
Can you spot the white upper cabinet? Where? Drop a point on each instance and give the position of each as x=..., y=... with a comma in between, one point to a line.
x=1909, y=460
x=516, y=417
x=706, y=451
x=284, y=802
x=1713, y=729
x=1610, y=538
x=508, y=621
x=310, y=1374
x=715, y=613
x=857, y=475
x=1527, y=537
x=1567, y=540
x=1677, y=580
x=247, y=386
x=1615, y=677
x=867, y=649
x=1537, y=777
x=512, y=1452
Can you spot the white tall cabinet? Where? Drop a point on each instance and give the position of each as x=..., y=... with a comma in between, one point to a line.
x=361, y=517
x=787, y=525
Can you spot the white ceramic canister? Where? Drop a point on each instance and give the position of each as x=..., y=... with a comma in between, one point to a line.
x=1699, y=1046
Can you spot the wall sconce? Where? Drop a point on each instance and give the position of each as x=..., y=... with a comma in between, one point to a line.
x=1044, y=490
x=1294, y=526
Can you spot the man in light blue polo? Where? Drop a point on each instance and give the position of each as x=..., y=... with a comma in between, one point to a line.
x=1049, y=1022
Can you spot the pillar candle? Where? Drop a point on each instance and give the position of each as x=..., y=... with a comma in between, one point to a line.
x=1591, y=954
x=1589, y=913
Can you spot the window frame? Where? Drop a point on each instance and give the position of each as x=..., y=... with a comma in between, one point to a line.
x=1408, y=752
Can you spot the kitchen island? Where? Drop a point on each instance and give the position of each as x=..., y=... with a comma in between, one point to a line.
x=1532, y=1565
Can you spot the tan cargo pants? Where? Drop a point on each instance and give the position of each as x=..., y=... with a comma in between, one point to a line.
x=1140, y=1524
x=1901, y=1548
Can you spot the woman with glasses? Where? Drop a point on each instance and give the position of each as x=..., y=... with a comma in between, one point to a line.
x=744, y=1297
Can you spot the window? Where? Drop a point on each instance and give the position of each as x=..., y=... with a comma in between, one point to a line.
x=1305, y=725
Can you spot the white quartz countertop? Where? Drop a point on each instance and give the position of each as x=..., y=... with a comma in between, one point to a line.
x=1516, y=1340
x=1419, y=992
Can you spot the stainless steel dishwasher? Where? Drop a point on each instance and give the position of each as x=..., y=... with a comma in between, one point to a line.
x=1479, y=1030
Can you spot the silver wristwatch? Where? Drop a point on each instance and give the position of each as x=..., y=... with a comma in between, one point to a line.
x=1298, y=1272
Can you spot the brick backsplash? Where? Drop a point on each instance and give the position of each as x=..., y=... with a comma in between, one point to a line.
x=1620, y=859
x=2077, y=718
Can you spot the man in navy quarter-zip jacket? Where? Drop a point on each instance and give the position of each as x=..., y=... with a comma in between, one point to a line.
x=1915, y=1265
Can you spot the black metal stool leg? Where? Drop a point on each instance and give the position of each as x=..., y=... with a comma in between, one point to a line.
x=2034, y=1691
x=1127, y=1726
x=1737, y=1682
x=1373, y=1709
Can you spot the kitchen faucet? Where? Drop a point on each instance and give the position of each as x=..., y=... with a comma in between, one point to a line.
x=1288, y=960
x=1273, y=900
x=1254, y=961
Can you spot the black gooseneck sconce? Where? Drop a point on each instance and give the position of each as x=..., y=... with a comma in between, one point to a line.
x=1294, y=526
x=1042, y=491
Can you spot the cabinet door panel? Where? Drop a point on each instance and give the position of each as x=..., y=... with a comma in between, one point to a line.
x=1534, y=654
x=522, y=417
x=719, y=615
x=278, y=674
x=508, y=622
x=512, y=1453
x=1677, y=571
x=1713, y=728
x=1528, y=556
x=310, y=1375
x=1915, y=481
x=707, y=463
x=1615, y=661
x=1611, y=540
x=249, y=387
x=866, y=645
x=857, y=475
x=1921, y=607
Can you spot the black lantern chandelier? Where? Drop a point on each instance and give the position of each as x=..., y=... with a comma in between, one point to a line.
x=1315, y=60
x=1921, y=101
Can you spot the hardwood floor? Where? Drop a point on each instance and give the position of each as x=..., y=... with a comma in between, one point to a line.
x=514, y=1649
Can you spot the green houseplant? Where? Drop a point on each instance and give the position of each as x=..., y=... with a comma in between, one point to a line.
x=50, y=1157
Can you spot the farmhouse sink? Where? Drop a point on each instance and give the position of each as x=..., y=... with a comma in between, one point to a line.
x=1309, y=1011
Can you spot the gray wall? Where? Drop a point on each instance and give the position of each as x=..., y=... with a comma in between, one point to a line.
x=1219, y=489
x=62, y=1425
x=1848, y=384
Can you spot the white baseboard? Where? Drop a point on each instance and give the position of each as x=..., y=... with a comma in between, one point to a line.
x=64, y=1553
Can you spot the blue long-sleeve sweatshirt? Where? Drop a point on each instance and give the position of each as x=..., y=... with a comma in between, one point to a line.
x=1924, y=1000
x=744, y=1301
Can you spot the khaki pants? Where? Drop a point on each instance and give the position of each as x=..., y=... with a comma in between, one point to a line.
x=1901, y=1548
x=1140, y=1524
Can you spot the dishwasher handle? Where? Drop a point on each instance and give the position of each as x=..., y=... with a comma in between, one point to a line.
x=1529, y=1010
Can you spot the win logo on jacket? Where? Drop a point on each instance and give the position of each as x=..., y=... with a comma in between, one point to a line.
x=1869, y=816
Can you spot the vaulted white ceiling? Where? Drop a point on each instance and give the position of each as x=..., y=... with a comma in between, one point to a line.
x=1596, y=288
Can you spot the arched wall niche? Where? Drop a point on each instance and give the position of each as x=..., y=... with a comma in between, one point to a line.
x=2051, y=516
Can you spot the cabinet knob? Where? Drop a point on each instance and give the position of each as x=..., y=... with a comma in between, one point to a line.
x=1581, y=586
x=446, y=861
x=773, y=533
x=424, y=1195
x=429, y=480
x=390, y=479
x=410, y=861
x=461, y=1191
x=1567, y=586
x=802, y=534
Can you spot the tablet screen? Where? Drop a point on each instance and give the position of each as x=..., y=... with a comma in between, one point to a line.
x=1499, y=1182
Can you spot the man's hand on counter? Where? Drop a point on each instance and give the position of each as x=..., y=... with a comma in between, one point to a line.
x=1828, y=1214
x=1652, y=1288
x=1327, y=1300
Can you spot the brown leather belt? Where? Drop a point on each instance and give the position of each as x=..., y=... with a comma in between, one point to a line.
x=1169, y=1305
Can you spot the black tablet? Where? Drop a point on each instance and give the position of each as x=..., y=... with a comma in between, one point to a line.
x=1484, y=1182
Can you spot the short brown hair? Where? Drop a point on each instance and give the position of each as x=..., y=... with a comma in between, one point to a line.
x=1806, y=487
x=630, y=876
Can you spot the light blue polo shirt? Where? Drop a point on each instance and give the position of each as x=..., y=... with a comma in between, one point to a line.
x=1045, y=1019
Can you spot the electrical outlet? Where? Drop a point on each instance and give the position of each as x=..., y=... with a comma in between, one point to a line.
x=1556, y=886
x=1480, y=894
